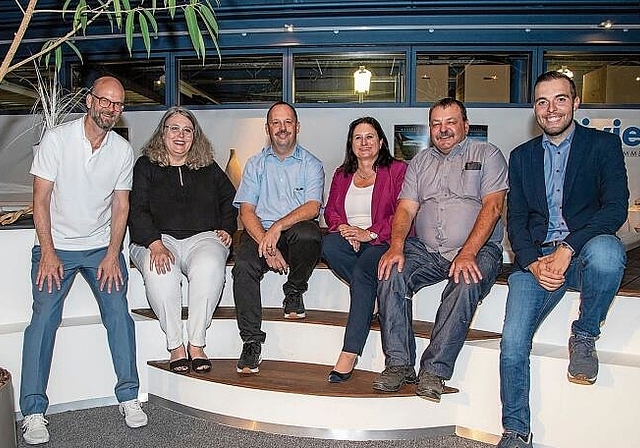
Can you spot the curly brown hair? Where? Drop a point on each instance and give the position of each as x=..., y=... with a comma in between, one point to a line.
x=201, y=152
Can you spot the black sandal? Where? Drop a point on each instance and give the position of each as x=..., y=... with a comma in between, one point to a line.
x=200, y=365
x=180, y=366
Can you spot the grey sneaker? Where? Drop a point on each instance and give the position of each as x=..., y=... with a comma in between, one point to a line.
x=133, y=414
x=512, y=439
x=34, y=429
x=250, y=358
x=294, y=306
x=430, y=386
x=583, y=360
x=393, y=377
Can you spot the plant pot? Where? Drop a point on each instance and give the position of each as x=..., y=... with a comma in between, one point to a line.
x=7, y=419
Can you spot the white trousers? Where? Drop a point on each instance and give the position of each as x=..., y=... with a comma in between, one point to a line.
x=202, y=259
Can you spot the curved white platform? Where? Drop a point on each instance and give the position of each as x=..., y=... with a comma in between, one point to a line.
x=563, y=414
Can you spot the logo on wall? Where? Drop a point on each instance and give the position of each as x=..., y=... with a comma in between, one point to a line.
x=630, y=135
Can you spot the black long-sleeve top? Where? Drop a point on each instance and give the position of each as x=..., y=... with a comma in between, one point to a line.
x=179, y=201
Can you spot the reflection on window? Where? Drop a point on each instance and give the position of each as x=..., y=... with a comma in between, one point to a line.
x=473, y=78
x=236, y=80
x=600, y=78
x=18, y=90
x=331, y=78
x=143, y=81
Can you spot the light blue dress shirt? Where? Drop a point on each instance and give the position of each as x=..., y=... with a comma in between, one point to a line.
x=276, y=187
x=555, y=168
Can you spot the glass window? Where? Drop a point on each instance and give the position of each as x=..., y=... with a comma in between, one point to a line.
x=331, y=78
x=601, y=78
x=18, y=90
x=143, y=80
x=233, y=80
x=473, y=78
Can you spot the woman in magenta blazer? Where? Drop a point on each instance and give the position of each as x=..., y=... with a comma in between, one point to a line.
x=359, y=212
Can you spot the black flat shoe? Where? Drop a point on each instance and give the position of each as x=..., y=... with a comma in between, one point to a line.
x=180, y=366
x=337, y=377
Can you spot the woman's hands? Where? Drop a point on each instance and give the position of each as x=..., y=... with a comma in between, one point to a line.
x=161, y=257
x=354, y=235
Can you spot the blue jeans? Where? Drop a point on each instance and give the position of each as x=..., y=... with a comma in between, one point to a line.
x=596, y=272
x=360, y=271
x=39, y=336
x=458, y=305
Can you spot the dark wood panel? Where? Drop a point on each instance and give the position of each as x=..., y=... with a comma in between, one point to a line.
x=335, y=318
x=297, y=378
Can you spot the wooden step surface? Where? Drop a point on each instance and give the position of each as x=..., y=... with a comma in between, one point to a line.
x=296, y=378
x=421, y=329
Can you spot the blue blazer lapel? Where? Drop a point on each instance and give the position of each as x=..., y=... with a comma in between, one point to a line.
x=537, y=168
x=575, y=160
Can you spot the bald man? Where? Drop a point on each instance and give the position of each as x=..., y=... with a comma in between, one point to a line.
x=82, y=175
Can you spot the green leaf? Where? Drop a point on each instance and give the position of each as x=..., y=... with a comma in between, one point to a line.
x=151, y=20
x=126, y=5
x=211, y=24
x=172, y=8
x=210, y=21
x=154, y=5
x=117, y=8
x=80, y=16
x=144, y=30
x=75, y=49
x=194, y=31
x=64, y=7
x=128, y=31
x=58, y=56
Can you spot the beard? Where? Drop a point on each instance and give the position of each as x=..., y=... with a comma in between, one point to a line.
x=105, y=121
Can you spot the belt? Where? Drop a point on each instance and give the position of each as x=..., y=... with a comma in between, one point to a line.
x=554, y=243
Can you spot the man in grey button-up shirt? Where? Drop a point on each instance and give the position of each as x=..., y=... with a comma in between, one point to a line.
x=455, y=191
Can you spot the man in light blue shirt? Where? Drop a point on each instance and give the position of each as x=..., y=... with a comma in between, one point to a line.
x=279, y=199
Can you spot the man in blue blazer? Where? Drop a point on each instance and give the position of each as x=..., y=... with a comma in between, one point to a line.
x=567, y=198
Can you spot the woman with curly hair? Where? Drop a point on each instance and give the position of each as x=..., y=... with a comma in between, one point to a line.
x=181, y=221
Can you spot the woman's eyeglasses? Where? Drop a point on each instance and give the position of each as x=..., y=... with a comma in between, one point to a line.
x=107, y=103
x=175, y=129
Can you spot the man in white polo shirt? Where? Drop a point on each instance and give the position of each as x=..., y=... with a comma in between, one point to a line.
x=82, y=177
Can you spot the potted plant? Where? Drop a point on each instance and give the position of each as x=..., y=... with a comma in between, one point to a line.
x=7, y=420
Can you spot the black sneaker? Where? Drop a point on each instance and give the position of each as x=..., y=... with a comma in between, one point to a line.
x=250, y=358
x=393, y=377
x=294, y=306
x=512, y=439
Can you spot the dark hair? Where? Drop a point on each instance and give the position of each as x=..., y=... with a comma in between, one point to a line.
x=350, y=163
x=282, y=103
x=551, y=75
x=448, y=102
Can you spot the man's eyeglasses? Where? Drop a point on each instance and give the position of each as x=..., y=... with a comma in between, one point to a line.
x=175, y=129
x=107, y=103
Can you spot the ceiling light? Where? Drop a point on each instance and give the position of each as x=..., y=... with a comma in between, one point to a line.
x=361, y=80
x=565, y=71
x=607, y=24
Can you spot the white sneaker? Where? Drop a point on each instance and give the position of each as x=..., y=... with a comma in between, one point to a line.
x=134, y=416
x=34, y=429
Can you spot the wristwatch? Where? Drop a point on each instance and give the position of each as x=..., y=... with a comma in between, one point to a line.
x=373, y=235
x=565, y=245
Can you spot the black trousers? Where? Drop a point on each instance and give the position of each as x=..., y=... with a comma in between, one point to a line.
x=300, y=246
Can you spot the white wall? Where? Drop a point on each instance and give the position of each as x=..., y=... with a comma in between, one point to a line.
x=323, y=131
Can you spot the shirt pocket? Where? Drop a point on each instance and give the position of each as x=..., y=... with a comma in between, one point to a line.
x=468, y=184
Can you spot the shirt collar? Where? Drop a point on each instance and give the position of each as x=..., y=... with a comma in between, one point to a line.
x=457, y=149
x=296, y=154
x=546, y=141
